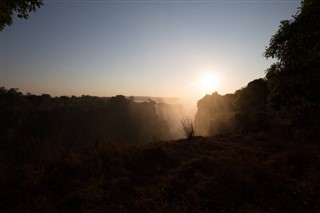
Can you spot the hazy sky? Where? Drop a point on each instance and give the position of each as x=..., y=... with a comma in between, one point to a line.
x=153, y=48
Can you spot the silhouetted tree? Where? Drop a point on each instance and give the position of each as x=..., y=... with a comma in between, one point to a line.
x=244, y=111
x=12, y=93
x=21, y=7
x=253, y=97
x=295, y=78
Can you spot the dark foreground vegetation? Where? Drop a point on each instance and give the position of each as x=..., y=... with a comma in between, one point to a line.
x=90, y=154
x=234, y=173
x=79, y=120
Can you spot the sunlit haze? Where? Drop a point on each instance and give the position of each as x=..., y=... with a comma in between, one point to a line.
x=152, y=48
x=208, y=83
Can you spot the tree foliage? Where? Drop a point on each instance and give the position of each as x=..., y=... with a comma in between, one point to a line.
x=244, y=111
x=78, y=121
x=252, y=97
x=21, y=7
x=294, y=79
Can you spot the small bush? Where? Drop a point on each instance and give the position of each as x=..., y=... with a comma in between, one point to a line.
x=188, y=128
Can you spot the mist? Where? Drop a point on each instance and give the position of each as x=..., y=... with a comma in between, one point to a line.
x=254, y=150
x=239, y=112
x=174, y=111
x=84, y=120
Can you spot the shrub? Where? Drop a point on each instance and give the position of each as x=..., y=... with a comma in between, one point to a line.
x=188, y=127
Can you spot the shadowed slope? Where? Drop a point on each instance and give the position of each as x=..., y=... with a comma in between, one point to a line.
x=243, y=173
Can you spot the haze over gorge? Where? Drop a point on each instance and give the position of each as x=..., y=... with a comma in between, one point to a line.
x=159, y=106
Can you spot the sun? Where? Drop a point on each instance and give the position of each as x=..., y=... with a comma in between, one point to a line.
x=208, y=83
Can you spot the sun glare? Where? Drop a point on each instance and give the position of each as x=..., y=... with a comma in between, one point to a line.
x=208, y=83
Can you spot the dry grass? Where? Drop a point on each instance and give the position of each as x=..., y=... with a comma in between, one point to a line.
x=234, y=173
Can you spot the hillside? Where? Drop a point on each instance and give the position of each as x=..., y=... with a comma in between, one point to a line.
x=233, y=173
x=259, y=147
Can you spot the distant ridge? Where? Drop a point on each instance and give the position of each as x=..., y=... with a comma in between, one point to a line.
x=171, y=100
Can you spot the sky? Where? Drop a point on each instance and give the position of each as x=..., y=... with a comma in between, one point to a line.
x=141, y=48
